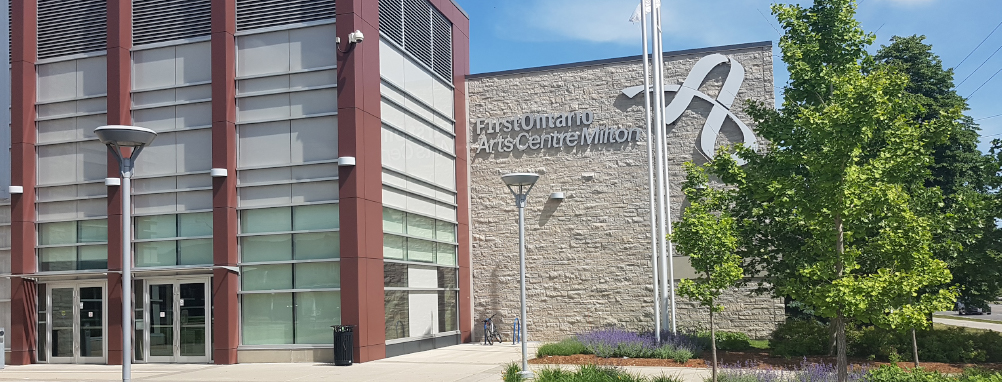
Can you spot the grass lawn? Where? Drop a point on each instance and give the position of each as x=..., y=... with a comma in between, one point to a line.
x=759, y=344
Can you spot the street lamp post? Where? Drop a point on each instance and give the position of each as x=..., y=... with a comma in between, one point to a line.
x=520, y=184
x=136, y=138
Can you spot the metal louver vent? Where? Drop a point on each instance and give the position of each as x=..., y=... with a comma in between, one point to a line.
x=71, y=26
x=252, y=14
x=442, y=45
x=421, y=30
x=165, y=20
x=391, y=20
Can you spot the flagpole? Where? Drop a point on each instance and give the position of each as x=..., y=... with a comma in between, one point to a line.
x=660, y=143
x=667, y=255
x=650, y=172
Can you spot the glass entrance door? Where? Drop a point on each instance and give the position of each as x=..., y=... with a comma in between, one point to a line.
x=77, y=332
x=177, y=314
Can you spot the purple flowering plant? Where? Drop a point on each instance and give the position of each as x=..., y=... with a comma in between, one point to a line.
x=806, y=372
x=614, y=342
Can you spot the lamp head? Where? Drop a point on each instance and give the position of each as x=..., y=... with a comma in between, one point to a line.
x=520, y=179
x=125, y=136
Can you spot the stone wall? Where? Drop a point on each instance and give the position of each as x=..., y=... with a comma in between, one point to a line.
x=588, y=256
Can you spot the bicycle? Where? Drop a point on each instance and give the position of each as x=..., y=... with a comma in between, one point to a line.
x=491, y=334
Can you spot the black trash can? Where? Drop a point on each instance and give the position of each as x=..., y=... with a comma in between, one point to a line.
x=343, y=343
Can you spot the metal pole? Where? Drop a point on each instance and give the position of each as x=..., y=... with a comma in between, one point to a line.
x=126, y=269
x=520, y=199
x=670, y=257
x=650, y=174
x=660, y=141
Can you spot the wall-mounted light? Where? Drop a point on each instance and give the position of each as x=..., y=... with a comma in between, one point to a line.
x=557, y=196
x=112, y=181
x=15, y=189
x=346, y=161
x=218, y=173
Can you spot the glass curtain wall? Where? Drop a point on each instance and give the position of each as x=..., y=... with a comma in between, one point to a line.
x=419, y=179
x=172, y=202
x=71, y=195
x=287, y=185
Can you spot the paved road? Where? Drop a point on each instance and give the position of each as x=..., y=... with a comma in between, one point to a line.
x=460, y=363
x=995, y=316
x=968, y=324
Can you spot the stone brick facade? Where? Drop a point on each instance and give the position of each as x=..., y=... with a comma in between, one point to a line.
x=588, y=255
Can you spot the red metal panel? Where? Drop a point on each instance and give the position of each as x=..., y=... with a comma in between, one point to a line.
x=225, y=327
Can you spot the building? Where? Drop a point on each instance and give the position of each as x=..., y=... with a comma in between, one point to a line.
x=581, y=127
x=256, y=263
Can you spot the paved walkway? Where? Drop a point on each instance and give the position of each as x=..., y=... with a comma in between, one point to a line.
x=460, y=363
x=967, y=324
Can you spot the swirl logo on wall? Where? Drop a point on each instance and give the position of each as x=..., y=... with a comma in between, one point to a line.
x=689, y=91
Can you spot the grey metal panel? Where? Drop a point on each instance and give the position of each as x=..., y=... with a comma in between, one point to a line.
x=253, y=14
x=164, y=20
x=68, y=27
x=402, y=348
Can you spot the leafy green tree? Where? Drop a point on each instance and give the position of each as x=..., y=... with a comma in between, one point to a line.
x=707, y=234
x=828, y=210
x=965, y=226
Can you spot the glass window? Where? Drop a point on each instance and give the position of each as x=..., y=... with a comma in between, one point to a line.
x=445, y=231
x=448, y=310
x=57, y=233
x=194, y=225
x=194, y=252
x=394, y=275
x=254, y=249
x=156, y=254
x=397, y=314
x=57, y=259
x=318, y=275
x=448, y=278
x=315, y=313
x=394, y=247
x=93, y=257
x=420, y=250
x=446, y=254
x=156, y=227
x=317, y=245
x=266, y=220
x=420, y=226
x=267, y=277
x=267, y=318
x=92, y=231
x=316, y=217
x=393, y=220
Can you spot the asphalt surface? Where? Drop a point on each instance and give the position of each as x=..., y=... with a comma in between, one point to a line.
x=995, y=316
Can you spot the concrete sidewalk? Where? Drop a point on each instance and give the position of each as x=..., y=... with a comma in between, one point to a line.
x=465, y=363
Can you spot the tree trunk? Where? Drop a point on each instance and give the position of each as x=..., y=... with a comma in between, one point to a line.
x=842, y=366
x=713, y=344
x=915, y=348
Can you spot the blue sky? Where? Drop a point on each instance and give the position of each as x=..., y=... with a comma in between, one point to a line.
x=512, y=34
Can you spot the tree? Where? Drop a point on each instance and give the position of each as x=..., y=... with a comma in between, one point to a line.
x=707, y=234
x=828, y=210
x=963, y=239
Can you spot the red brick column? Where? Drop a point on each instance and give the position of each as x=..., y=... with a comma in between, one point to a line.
x=225, y=307
x=24, y=31
x=119, y=113
x=362, y=302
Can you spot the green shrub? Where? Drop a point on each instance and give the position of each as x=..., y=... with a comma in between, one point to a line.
x=587, y=373
x=798, y=338
x=726, y=341
x=511, y=373
x=570, y=346
x=679, y=355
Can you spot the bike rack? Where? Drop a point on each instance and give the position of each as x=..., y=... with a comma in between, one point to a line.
x=516, y=332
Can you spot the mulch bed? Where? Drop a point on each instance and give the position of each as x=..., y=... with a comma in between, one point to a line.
x=760, y=358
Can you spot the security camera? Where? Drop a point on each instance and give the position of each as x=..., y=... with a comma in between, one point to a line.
x=355, y=37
